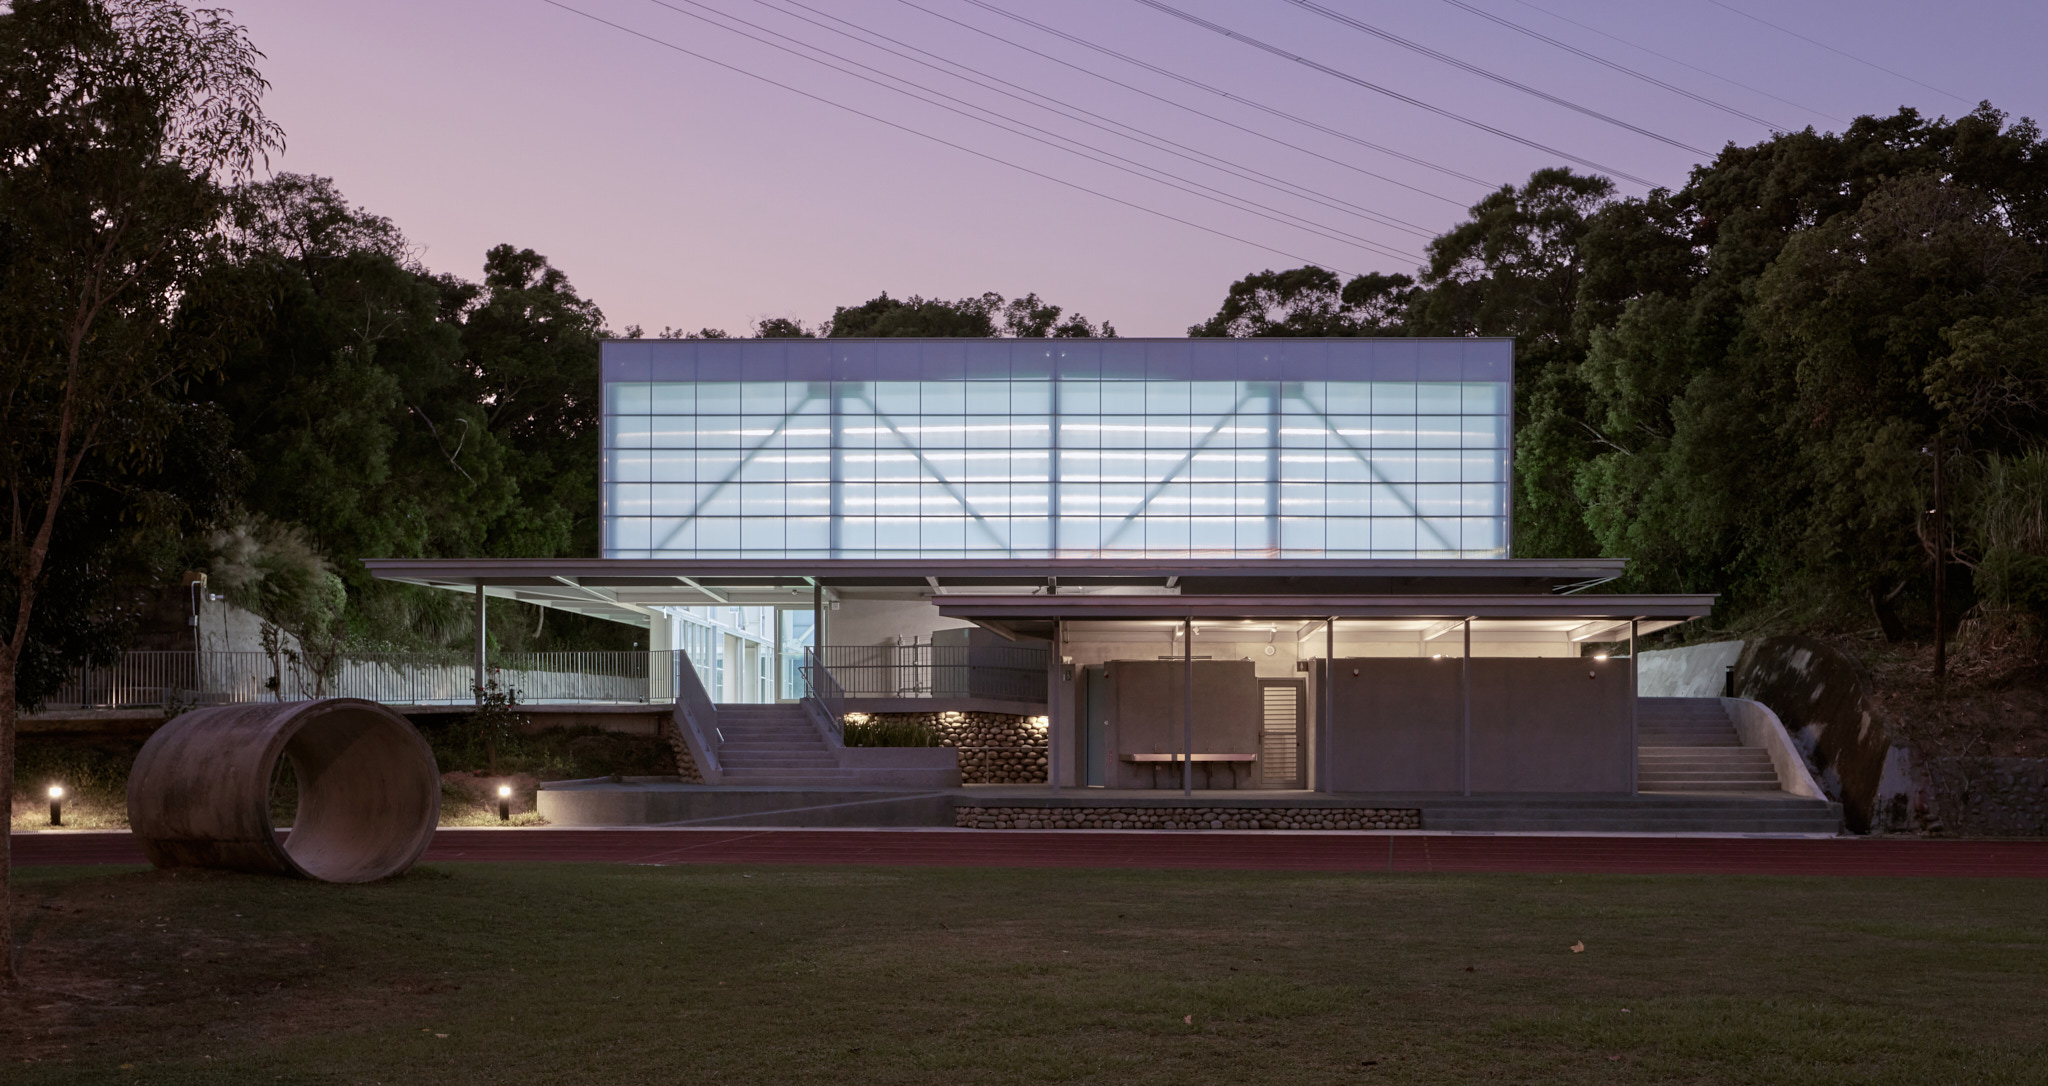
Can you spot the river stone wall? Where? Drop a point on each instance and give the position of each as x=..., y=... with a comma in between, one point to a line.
x=1187, y=818
x=1986, y=797
x=995, y=748
x=686, y=765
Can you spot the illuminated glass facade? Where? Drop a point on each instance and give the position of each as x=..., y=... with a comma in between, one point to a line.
x=906, y=448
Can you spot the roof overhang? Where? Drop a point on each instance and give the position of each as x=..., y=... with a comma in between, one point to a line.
x=1423, y=617
x=624, y=589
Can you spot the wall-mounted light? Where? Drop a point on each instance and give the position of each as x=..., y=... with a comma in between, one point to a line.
x=504, y=803
x=56, y=805
x=1599, y=656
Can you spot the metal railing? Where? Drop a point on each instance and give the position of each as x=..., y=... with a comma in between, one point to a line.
x=996, y=672
x=821, y=688
x=139, y=680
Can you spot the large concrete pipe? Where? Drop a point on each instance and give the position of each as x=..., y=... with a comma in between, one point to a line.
x=369, y=791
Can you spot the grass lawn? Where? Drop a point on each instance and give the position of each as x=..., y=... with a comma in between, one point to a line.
x=475, y=973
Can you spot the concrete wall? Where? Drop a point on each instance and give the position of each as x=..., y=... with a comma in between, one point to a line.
x=1695, y=671
x=871, y=622
x=1537, y=725
x=1395, y=727
x=1552, y=726
x=1148, y=707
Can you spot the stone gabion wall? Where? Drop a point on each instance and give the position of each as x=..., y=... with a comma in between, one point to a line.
x=995, y=748
x=1995, y=797
x=686, y=766
x=1187, y=818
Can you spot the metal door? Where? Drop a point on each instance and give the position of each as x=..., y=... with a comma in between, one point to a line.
x=1283, y=732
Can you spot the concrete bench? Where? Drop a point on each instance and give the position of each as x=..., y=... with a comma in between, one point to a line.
x=1208, y=763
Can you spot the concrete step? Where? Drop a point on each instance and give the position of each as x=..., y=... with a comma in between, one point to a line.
x=778, y=759
x=745, y=742
x=791, y=776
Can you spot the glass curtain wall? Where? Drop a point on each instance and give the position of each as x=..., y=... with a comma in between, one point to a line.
x=799, y=632
x=731, y=649
x=1031, y=449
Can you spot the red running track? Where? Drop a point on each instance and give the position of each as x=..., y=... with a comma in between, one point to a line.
x=1394, y=853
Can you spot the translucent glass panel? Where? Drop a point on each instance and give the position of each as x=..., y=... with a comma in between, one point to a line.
x=1330, y=453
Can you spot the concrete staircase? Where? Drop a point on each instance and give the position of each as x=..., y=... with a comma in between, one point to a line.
x=775, y=745
x=1690, y=745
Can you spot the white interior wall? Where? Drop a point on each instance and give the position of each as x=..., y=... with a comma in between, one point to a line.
x=872, y=622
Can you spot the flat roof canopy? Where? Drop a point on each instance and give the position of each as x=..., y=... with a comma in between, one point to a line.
x=1583, y=617
x=625, y=589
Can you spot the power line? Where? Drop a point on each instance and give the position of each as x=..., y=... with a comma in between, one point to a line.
x=1130, y=132
x=1614, y=65
x=940, y=140
x=1388, y=92
x=1046, y=137
x=1680, y=63
x=1218, y=91
x=1838, y=52
x=1416, y=47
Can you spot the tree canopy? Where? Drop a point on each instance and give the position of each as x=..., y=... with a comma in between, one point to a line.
x=1732, y=384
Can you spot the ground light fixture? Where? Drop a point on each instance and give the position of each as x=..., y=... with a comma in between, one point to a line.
x=504, y=803
x=56, y=805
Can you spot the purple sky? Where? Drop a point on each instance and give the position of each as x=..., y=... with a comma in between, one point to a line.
x=674, y=192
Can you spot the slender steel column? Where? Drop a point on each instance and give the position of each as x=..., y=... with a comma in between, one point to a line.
x=1465, y=711
x=1321, y=747
x=1635, y=750
x=480, y=642
x=1054, y=719
x=1187, y=718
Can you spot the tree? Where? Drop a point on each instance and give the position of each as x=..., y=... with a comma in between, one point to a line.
x=1310, y=301
x=390, y=411
x=973, y=318
x=121, y=120
x=1773, y=345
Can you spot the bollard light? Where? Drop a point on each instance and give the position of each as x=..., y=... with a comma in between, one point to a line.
x=504, y=803
x=56, y=805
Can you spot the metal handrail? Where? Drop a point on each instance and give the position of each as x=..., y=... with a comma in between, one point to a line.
x=694, y=708
x=924, y=670
x=824, y=691
x=151, y=679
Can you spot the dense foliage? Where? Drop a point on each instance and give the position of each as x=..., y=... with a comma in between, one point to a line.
x=1738, y=384
x=386, y=411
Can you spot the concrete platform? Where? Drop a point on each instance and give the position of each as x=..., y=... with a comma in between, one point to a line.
x=652, y=801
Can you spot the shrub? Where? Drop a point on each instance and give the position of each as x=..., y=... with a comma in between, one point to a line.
x=889, y=733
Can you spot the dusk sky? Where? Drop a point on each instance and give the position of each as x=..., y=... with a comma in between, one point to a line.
x=676, y=192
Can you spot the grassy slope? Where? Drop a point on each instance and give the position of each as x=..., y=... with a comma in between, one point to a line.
x=546, y=974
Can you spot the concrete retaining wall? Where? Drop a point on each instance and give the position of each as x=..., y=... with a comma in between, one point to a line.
x=1695, y=671
x=1758, y=726
x=640, y=801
